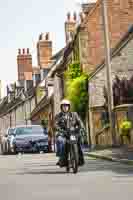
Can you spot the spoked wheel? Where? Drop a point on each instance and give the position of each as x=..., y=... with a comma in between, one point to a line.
x=74, y=158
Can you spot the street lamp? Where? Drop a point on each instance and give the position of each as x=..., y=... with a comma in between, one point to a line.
x=108, y=67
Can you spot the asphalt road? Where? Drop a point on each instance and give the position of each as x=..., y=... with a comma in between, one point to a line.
x=35, y=177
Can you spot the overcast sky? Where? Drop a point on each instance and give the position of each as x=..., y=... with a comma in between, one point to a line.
x=21, y=22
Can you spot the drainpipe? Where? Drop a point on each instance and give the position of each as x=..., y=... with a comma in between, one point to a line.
x=10, y=121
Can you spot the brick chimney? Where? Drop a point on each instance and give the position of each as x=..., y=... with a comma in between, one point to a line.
x=70, y=26
x=24, y=62
x=44, y=50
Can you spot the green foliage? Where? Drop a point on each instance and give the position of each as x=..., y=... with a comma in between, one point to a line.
x=44, y=122
x=76, y=89
x=125, y=127
x=73, y=71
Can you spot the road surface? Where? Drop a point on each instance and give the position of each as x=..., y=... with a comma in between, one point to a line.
x=35, y=177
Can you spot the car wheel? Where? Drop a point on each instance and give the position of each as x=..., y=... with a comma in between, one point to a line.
x=6, y=148
x=46, y=150
x=9, y=150
x=15, y=152
x=2, y=149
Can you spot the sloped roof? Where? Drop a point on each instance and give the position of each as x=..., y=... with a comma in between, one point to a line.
x=36, y=70
x=6, y=107
x=3, y=103
x=62, y=60
x=9, y=106
x=58, y=54
x=86, y=7
x=40, y=106
x=30, y=93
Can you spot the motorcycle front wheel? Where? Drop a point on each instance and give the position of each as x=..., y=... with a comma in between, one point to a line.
x=74, y=157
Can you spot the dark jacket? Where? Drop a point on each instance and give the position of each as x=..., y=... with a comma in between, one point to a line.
x=65, y=121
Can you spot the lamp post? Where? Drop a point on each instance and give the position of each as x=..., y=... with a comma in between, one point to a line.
x=108, y=67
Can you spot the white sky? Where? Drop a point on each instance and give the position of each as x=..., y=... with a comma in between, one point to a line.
x=21, y=22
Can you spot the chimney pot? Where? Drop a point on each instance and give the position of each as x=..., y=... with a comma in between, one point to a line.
x=23, y=51
x=47, y=36
x=40, y=36
x=75, y=16
x=19, y=51
x=68, y=16
x=28, y=51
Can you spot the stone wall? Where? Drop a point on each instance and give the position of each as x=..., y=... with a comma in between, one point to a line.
x=121, y=65
x=32, y=103
x=58, y=93
x=83, y=49
x=4, y=123
x=13, y=118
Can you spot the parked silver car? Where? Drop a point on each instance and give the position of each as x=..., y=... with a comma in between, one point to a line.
x=6, y=141
x=30, y=138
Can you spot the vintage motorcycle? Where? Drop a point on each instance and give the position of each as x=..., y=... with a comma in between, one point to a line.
x=71, y=151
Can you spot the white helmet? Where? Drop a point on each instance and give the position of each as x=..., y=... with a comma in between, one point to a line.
x=65, y=102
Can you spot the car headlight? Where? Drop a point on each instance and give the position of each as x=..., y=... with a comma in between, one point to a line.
x=12, y=143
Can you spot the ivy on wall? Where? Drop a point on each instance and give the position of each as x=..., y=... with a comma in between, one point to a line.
x=73, y=71
x=76, y=88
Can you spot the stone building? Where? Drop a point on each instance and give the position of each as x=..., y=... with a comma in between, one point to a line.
x=16, y=111
x=122, y=66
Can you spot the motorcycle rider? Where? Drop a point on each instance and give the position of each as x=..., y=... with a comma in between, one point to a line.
x=65, y=120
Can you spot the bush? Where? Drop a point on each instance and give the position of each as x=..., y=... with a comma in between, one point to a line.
x=125, y=127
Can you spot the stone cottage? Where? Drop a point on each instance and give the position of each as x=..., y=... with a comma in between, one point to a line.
x=122, y=66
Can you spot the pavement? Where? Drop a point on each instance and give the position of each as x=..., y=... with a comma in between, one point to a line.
x=36, y=177
x=123, y=155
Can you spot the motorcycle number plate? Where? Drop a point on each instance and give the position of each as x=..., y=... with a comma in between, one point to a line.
x=72, y=138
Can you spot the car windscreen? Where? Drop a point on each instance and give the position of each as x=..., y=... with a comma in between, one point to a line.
x=37, y=130
x=11, y=131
